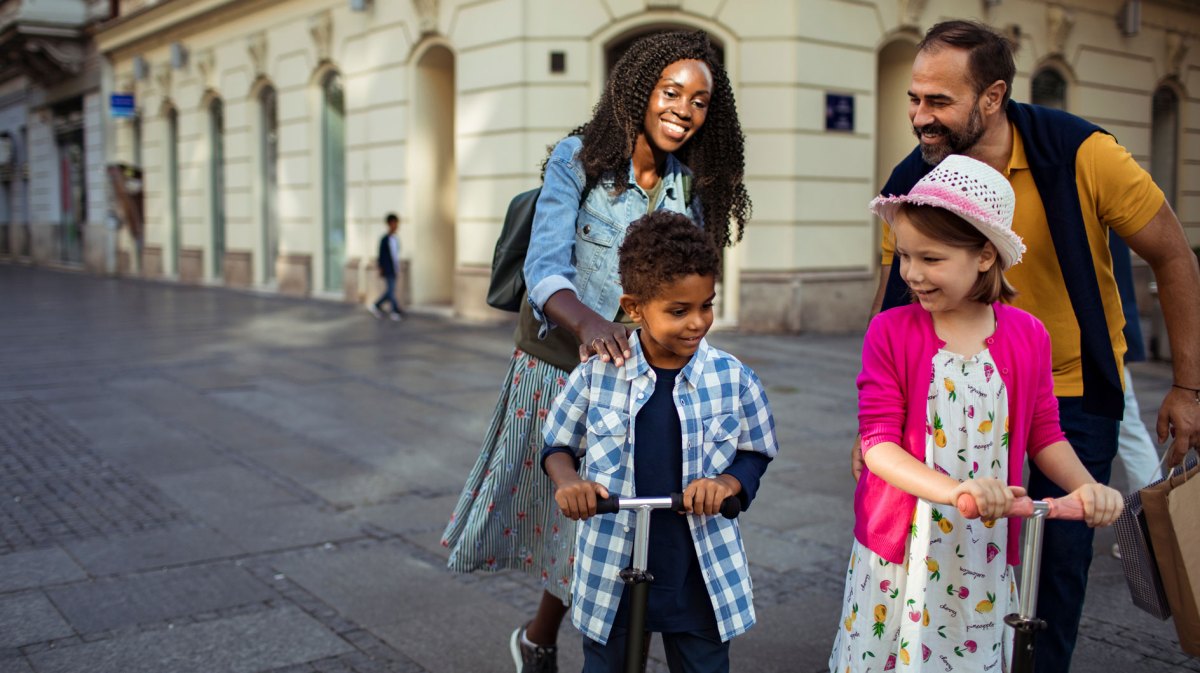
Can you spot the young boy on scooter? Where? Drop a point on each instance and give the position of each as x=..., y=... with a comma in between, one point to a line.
x=677, y=415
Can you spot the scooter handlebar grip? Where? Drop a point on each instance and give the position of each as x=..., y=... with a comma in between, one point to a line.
x=676, y=502
x=731, y=507
x=609, y=505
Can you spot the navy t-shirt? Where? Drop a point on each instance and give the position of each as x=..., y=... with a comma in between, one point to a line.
x=678, y=599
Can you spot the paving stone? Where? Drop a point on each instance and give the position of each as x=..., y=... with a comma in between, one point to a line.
x=36, y=568
x=175, y=545
x=14, y=663
x=29, y=618
x=243, y=644
x=281, y=526
x=227, y=487
x=106, y=604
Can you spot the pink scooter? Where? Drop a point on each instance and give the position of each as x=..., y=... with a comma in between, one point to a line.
x=1024, y=621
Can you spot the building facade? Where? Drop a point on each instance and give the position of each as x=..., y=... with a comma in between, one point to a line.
x=272, y=136
x=53, y=202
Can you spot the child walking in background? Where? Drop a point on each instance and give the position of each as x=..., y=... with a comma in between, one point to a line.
x=677, y=415
x=389, y=267
x=955, y=391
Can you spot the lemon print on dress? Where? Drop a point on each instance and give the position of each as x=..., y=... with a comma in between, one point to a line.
x=850, y=620
x=939, y=435
x=986, y=426
x=950, y=389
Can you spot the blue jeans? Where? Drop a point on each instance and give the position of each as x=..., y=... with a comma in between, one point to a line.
x=389, y=295
x=692, y=652
x=1067, y=545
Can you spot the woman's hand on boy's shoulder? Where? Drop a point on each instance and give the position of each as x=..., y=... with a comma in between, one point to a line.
x=705, y=495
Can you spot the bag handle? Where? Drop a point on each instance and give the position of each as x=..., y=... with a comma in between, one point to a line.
x=1182, y=467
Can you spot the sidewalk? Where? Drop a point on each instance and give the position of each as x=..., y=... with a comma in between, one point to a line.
x=200, y=480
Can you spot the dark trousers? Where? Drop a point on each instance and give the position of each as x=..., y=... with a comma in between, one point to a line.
x=389, y=295
x=1067, y=545
x=691, y=652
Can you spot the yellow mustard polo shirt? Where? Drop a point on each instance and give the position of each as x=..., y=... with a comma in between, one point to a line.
x=1114, y=193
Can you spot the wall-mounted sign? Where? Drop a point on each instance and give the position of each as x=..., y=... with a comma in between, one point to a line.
x=121, y=106
x=839, y=112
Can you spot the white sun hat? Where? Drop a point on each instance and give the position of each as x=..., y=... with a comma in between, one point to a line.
x=972, y=190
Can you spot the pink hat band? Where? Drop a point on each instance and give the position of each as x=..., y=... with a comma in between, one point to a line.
x=972, y=190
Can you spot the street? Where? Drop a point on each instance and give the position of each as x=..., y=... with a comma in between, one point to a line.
x=199, y=480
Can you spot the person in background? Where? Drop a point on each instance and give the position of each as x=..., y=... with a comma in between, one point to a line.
x=389, y=264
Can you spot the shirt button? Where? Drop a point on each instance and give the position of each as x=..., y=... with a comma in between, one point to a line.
x=641, y=395
x=587, y=228
x=991, y=340
x=626, y=529
x=1004, y=370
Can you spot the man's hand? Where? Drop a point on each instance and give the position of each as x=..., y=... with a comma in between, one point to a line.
x=577, y=499
x=1179, y=417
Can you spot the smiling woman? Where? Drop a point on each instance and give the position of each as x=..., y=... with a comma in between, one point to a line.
x=664, y=136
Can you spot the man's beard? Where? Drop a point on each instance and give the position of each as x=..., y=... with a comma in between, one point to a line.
x=953, y=141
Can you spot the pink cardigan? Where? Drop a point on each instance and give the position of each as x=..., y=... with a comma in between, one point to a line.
x=897, y=366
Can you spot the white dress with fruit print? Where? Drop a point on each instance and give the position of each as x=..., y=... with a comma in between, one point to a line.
x=943, y=609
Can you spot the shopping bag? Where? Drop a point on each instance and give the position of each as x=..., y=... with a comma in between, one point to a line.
x=1175, y=536
x=1137, y=558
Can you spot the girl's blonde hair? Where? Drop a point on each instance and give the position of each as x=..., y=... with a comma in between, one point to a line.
x=950, y=229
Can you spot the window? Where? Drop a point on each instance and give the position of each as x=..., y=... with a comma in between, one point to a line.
x=1049, y=89
x=216, y=183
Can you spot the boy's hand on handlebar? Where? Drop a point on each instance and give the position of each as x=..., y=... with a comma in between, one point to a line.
x=577, y=498
x=1101, y=504
x=993, y=497
x=704, y=496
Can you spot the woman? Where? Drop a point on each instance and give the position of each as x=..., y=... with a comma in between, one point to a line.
x=668, y=107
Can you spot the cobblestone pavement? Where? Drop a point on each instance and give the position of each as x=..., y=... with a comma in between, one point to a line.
x=199, y=480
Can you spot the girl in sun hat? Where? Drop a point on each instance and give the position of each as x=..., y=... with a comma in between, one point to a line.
x=955, y=391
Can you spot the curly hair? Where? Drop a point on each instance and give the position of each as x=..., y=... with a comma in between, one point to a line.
x=662, y=247
x=715, y=154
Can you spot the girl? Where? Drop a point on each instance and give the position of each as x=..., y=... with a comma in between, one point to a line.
x=668, y=107
x=955, y=390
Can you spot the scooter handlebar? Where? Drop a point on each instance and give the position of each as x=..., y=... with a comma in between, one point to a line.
x=730, y=507
x=1060, y=508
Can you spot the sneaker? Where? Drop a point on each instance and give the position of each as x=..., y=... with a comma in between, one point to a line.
x=532, y=659
x=397, y=317
x=374, y=311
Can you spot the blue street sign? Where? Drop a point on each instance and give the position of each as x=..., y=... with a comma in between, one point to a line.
x=121, y=106
x=839, y=112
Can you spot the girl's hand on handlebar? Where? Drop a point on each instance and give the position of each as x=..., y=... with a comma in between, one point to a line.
x=704, y=496
x=1101, y=504
x=993, y=497
x=609, y=340
x=577, y=499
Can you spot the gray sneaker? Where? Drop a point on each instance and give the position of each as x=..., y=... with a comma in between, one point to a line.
x=536, y=659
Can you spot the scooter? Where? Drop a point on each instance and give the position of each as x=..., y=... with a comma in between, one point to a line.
x=1025, y=621
x=636, y=577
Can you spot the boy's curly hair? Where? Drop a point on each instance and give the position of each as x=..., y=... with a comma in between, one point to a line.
x=662, y=247
x=715, y=154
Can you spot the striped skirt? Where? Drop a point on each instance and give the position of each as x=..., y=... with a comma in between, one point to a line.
x=506, y=516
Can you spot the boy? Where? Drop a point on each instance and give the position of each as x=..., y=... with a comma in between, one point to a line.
x=389, y=264
x=677, y=415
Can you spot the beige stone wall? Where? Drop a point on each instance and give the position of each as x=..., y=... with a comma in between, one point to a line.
x=809, y=255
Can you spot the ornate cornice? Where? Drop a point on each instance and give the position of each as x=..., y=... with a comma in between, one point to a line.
x=1059, y=23
x=320, y=27
x=427, y=15
x=256, y=46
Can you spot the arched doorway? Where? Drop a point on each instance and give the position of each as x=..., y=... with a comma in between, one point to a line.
x=216, y=183
x=893, y=130
x=267, y=185
x=433, y=179
x=1164, y=141
x=172, y=170
x=333, y=178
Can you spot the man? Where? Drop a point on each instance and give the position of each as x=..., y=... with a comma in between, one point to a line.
x=1073, y=184
x=389, y=264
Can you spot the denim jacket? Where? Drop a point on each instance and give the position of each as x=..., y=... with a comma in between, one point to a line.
x=583, y=258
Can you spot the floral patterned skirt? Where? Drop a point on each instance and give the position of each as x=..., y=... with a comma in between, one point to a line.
x=506, y=516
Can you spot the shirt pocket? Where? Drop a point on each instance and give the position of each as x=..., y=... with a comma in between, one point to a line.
x=606, y=433
x=594, y=238
x=720, y=436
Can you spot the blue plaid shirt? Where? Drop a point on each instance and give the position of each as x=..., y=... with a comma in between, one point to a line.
x=723, y=409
